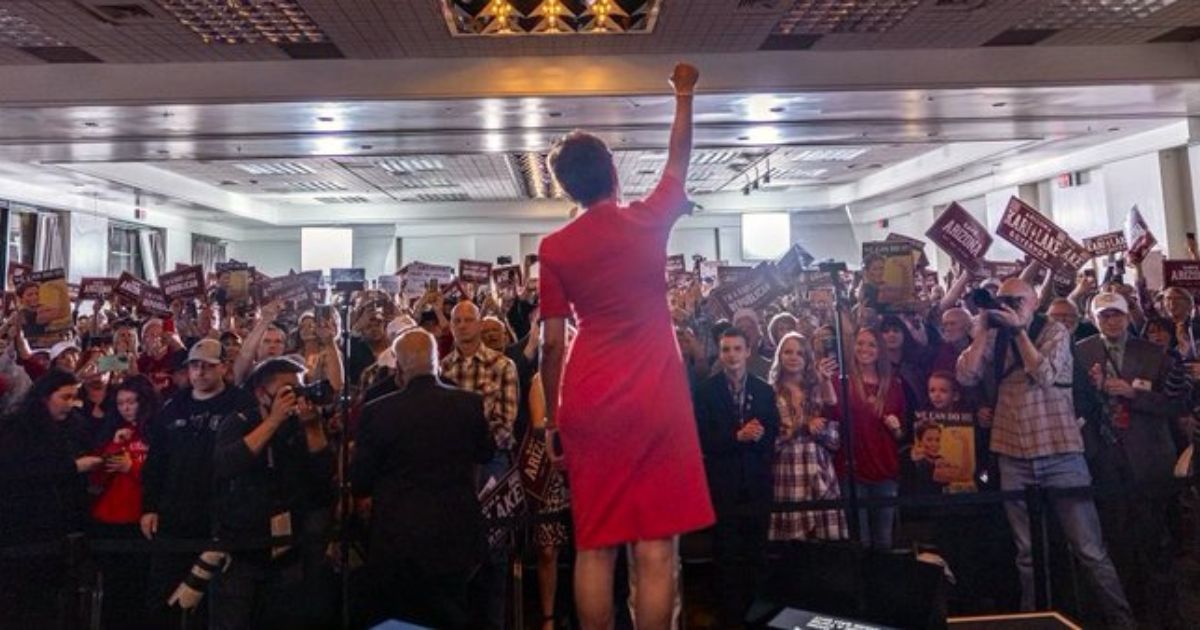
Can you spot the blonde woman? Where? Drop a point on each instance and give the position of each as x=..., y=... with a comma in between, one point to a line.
x=804, y=451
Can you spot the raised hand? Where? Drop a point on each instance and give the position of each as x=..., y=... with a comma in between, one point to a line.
x=684, y=79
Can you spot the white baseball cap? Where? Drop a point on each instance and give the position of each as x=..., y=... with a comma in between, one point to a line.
x=1109, y=302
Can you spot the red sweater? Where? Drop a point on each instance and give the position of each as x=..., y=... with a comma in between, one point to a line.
x=876, y=452
x=120, y=502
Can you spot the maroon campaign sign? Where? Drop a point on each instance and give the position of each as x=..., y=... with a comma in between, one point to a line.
x=1183, y=274
x=1107, y=243
x=1031, y=232
x=755, y=291
x=475, y=271
x=183, y=284
x=131, y=287
x=154, y=301
x=961, y=236
x=1138, y=235
x=96, y=288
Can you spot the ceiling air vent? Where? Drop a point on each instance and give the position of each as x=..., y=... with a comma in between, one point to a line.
x=312, y=50
x=61, y=54
x=117, y=12
x=441, y=197
x=790, y=42
x=1021, y=37
x=1178, y=35
x=342, y=200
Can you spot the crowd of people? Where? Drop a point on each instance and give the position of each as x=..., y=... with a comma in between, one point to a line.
x=214, y=433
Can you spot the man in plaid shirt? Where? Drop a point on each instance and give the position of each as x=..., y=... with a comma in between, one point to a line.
x=1036, y=436
x=474, y=367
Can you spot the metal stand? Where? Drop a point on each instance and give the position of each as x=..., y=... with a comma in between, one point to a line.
x=345, y=501
x=839, y=308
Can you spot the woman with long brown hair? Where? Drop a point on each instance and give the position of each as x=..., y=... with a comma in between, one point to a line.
x=876, y=405
x=807, y=442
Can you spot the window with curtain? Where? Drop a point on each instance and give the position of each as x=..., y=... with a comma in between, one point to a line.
x=207, y=252
x=124, y=251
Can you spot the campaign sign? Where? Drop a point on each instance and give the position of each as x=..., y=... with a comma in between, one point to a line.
x=96, y=288
x=131, y=287
x=533, y=460
x=961, y=236
x=154, y=301
x=183, y=284
x=1035, y=234
x=1108, y=243
x=475, y=271
x=1183, y=274
x=503, y=500
x=888, y=266
x=755, y=291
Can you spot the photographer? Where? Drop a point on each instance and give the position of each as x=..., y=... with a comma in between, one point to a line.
x=274, y=472
x=1035, y=434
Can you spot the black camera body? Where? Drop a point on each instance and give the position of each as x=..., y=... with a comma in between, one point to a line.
x=319, y=393
x=993, y=305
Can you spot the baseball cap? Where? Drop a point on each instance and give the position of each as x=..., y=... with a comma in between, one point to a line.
x=1109, y=302
x=57, y=349
x=207, y=351
x=286, y=364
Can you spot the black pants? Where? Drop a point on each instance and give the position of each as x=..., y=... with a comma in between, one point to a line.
x=410, y=592
x=739, y=549
x=1139, y=543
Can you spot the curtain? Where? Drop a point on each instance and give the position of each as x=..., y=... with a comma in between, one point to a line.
x=153, y=254
x=122, y=248
x=207, y=252
x=50, y=249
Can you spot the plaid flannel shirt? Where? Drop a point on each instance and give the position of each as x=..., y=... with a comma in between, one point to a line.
x=494, y=376
x=804, y=471
x=1034, y=414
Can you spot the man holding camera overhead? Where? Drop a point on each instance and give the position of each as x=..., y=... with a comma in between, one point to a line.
x=1035, y=433
x=274, y=473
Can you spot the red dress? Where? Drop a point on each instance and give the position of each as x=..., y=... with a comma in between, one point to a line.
x=625, y=414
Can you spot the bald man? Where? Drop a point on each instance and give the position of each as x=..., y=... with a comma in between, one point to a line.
x=1036, y=437
x=955, y=328
x=415, y=458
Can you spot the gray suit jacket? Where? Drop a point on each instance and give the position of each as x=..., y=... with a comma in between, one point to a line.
x=1146, y=451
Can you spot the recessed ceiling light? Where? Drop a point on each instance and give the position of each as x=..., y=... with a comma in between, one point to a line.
x=91, y=123
x=366, y=147
x=744, y=138
x=1111, y=129
x=777, y=110
x=554, y=114
x=228, y=182
x=325, y=118
x=999, y=104
x=163, y=152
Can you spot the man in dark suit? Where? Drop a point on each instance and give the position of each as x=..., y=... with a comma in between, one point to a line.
x=1129, y=433
x=415, y=457
x=738, y=422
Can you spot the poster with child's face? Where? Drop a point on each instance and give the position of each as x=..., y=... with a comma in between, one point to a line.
x=45, y=303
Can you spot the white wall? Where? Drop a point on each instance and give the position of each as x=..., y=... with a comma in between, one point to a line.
x=693, y=241
x=179, y=248
x=1136, y=181
x=374, y=250
x=88, y=246
x=272, y=257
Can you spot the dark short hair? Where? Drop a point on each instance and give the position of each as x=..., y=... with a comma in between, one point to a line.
x=25, y=286
x=925, y=426
x=583, y=166
x=734, y=331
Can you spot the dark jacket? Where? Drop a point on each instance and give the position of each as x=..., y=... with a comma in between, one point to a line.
x=177, y=480
x=738, y=472
x=42, y=497
x=284, y=477
x=415, y=456
x=1146, y=451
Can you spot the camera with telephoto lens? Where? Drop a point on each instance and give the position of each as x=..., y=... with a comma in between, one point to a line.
x=319, y=393
x=994, y=304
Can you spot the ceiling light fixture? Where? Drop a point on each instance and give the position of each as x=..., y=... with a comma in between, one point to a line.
x=246, y=21
x=506, y=18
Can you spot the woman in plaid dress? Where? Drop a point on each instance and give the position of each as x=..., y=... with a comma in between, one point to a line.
x=804, y=450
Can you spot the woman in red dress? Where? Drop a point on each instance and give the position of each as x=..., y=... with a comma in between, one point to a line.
x=628, y=434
